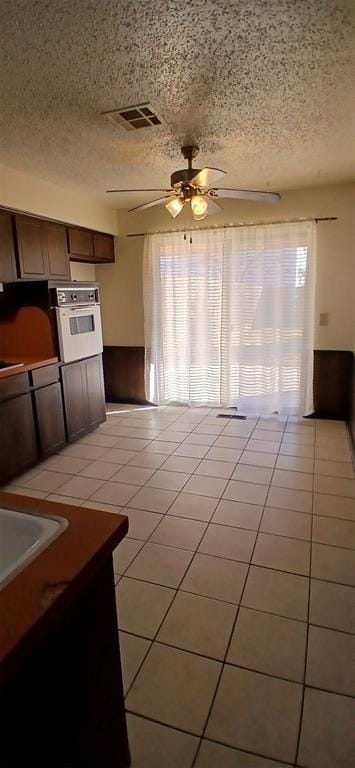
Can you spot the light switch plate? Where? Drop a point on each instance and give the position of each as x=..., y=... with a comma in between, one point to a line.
x=324, y=318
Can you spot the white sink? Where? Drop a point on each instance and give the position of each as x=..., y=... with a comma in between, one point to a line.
x=23, y=537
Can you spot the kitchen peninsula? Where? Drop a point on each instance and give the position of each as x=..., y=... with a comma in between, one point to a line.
x=62, y=698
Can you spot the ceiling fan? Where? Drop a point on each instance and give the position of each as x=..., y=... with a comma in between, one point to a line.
x=195, y=186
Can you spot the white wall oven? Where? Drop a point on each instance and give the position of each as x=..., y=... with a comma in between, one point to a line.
x=78, y=321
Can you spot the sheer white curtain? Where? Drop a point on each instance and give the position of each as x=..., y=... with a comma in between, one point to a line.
x=229, y=317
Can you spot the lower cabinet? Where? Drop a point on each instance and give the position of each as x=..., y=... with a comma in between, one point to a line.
x=33, y=422
x=49, y=419
x=18, y=446
x=73, y=666
x=84, y=396
x=96, y=392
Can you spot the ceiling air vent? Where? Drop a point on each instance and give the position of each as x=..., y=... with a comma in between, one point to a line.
x=132, y=118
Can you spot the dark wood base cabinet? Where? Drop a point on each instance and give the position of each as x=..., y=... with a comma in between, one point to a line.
x=84, y=396
x=39, y=413
x=64, y=708
x=18, y=446
x=50, y=418
x=31, y=419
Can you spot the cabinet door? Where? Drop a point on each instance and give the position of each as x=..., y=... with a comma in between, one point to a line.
x=50, y=418
x=81, y=244
x=18, y=448
x=32, y=247
x=96, y=391
x=75, y=399
x=57, y=251
x=103, y=247
x=7, y=250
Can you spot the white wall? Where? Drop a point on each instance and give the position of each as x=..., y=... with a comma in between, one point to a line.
x=33, y=195
x=121, y=283
x=122, y=291
x=81, y=271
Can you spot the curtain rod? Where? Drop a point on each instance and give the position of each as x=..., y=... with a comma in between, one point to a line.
x=232, y=226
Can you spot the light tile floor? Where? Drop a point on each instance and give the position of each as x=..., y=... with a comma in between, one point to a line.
x=235, y=585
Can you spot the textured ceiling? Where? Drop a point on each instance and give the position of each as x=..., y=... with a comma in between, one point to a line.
x=266, y=87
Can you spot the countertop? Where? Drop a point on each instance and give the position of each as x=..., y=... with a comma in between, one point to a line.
x=25, y=364
x=36, y=598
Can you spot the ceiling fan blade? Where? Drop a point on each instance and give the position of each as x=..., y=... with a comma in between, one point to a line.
x=246, y=194
x=138, y=190
x=158, y=201
x=212, y=206
x=207, y=176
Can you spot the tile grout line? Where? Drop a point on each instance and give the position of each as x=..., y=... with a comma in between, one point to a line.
x=228, y=602
x=249, y=566
x=219, y=660
x=213, y=444
x=298, y=743
x=195, y=735
x=170, y=605
x=164, y=515
x=159, y=468
x=233, y=628
x=240, y=562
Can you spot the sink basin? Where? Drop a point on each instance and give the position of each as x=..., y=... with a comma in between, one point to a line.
x=23, y=537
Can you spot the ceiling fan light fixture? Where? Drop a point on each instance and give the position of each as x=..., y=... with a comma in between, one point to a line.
x=174, y=206
x=199, y=207
x=194, y=185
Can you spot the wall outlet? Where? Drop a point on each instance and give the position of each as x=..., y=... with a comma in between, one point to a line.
x=324, y=318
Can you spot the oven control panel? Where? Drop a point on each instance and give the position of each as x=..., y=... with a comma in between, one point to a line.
x=70, y=296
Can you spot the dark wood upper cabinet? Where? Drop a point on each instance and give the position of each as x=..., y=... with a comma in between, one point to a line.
x=57, y=252
x=36, y=249
x=42, y=249
x=31, y=244
x=92, y=247
x=104, y=247
x=7, y=250
x=81, y=243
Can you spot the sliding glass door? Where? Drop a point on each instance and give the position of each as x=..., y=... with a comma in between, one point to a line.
x=229, y=317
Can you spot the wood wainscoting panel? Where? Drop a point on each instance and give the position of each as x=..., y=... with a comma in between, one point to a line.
x=332, y=383
x=352, y=405
x=124, y=374
x=124, y=379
